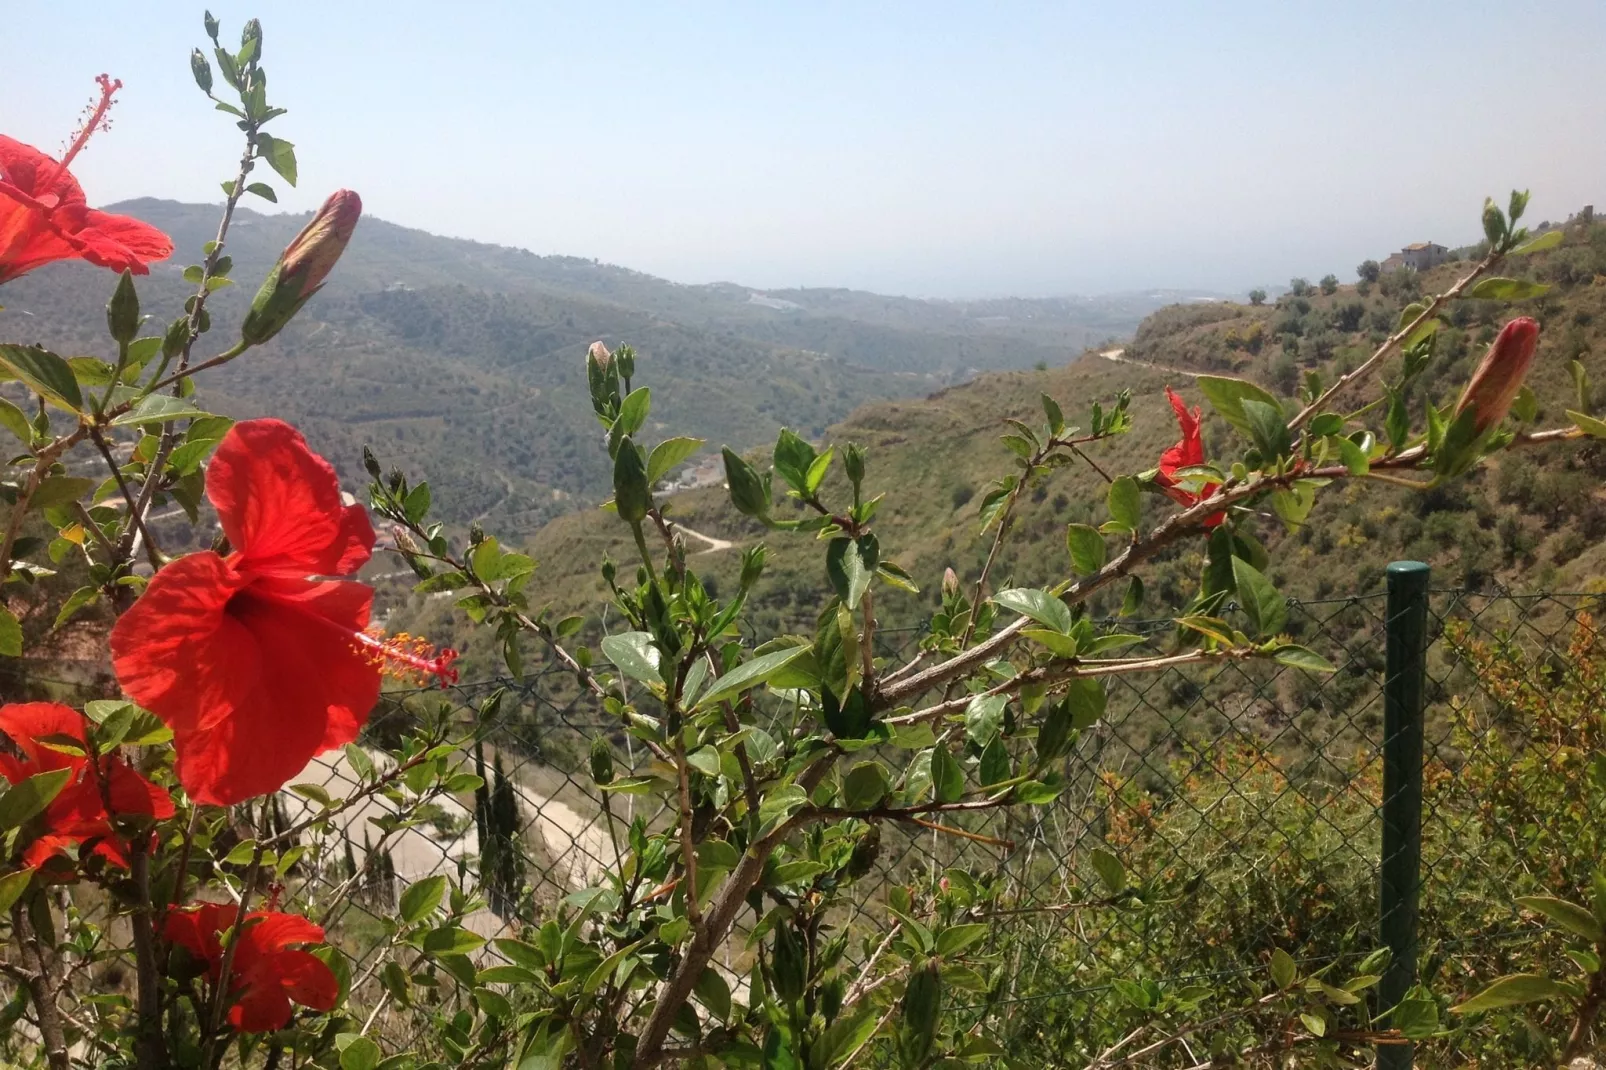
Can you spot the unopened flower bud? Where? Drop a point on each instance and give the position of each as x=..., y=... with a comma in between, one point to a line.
x=601, y=761
x=950, y=583
x=303, y=267
x=1498, y=379
x=599, y=353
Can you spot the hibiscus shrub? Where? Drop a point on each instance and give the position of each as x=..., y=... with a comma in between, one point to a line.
x=736, y=927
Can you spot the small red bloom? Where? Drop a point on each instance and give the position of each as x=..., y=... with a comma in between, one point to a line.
x=1498, y=378
x=267, y=973
x=44, y=216
x=1188, y=452
x=82, y=812
x=254, y=661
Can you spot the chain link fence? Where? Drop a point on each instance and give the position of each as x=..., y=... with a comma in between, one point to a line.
x=1212, y=816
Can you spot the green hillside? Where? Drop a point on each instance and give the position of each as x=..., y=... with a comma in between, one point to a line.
x=1534, y=521
x=459, y=359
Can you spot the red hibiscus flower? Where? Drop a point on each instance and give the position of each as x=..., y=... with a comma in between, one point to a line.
x=267, y=972
x=1188, y=452
x=255, y=662
x=83, y=810
x=44, y=216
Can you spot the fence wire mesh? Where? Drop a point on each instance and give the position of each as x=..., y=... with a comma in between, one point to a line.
x=1240, y=801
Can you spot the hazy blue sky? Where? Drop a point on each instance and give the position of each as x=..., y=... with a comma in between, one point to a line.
x=923, y=148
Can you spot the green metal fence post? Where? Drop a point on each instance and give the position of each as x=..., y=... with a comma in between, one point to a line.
x=1403, y=686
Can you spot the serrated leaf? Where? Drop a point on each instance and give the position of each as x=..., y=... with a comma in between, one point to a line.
x=1125, y=502
x=1038, y=605
x=29, y=797
x=280, y=155
x=45, y=374
x=1086, y=546
x=1570, y=916
x=1227, y=395
x=1299, y=657
x=1510, y=991
x=669, y=454
x=421, y=898
x=1284, y=971
x=1588, y=424
x=751, y=674
x=955, y=939
x=1548, y=240
x=705, y=760
x=159, y=408
x=633, y=654
x=849, y=564
x=1500, y=289
x=1266, y=609
x=947, y=778
x=1109, y=869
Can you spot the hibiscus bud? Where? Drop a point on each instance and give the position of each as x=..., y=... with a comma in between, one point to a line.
x=252, y=32
x=601, y=761
x=202, y=71
x=122, y=311
x=371, y=463
x=1495, y=384
x=602, y=377
x=950, y=583
x=302, y=268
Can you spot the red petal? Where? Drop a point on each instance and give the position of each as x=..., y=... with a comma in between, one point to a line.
x=175, y=651
x=133, y=794
x=137, y=238
x=279, y=504
x=24, y=167
x=296, y=686
x=196, y=929
x=307, y=979
x=261, y=1009
x=272, y=931
x=26, y=722
x=44, y=849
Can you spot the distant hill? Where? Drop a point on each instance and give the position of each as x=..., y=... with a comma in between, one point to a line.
x=1531, y=521
x=463, y=360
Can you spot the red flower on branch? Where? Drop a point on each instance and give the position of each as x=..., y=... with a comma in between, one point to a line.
x=268, y=971
x=256, y=661
x=49, y=737
x=1498, y=378
x=44, y=216
x=1188, y=452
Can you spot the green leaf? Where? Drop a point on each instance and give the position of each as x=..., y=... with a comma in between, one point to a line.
x=13, y=420
x=1109, y=869
x=1056, y=417
x=44, y=373
x=1266, y=609
x=1087, y=548
x=1086, y=698
x=921, y=1011
x=12, y=885
x=714, y=993
x=1298, y=657
x=749, y=493
x=983, y=718
x=705, y=760
x=1227, y=395
x=633, y=654
x=1125, y=502
x=632, y=496
x=864, y=786
x=280, y=155
x=157, y=409
x=10, y=635
x=1588, y=424
x=1134, y=597
x=421, y=898
x=1499, y=289
x=1039, y=605
x=633, y=410
x=1509, y=991
x=59, y=490
x=26, y=798
x=955, y=939
x=1570, y=916
x=83, y=596
x=360, y=1054
x=263, y=190
x=849, y=564
x=668, y=454
x=451, y=940
x=751, y=674
x=1268, y=428
x=1284, y=971
x=994, y=763
x=947, y=779
x=1548, y=240
x=1316, y=1026
x=847, y=1035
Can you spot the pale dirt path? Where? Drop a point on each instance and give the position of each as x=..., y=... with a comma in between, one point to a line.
x=714, y=545
x=1119, y=356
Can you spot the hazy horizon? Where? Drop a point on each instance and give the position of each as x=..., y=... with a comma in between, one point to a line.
x=947, y=151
